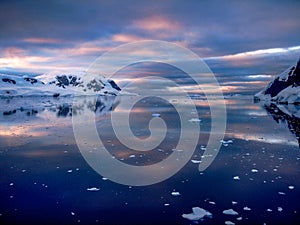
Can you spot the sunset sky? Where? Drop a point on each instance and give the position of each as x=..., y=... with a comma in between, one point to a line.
x=235, y=38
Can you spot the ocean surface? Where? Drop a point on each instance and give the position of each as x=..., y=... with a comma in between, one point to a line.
x=45, y=179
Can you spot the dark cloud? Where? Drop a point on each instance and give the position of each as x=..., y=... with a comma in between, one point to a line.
x=57, y=28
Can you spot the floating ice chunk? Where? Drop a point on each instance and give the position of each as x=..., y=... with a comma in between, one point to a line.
x=155, y=115
x=132, y=156
x=230, y=212
x=225, y=143
x=211, y=202
x=254, y=171
x=195, y=120
x=236, y=178
x=234, y=203
x=72, y=213
x=104, y=178
x=239, y=218
x=195, y=161
x=229, y=223
x=291, y=187
x=247, y=208
x=281, y=193
x=166, y=204
x=70, y=171
x=93, y=189
x=269, y=210
x=279, y=209
x=197, y=214
x=175, y=193
x=11, y=184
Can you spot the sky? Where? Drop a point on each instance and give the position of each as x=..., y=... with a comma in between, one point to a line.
x=239, y=40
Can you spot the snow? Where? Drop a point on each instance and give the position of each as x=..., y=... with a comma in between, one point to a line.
x=230, y=212
x=197, y=214
x=51, y=85
x=289, y=95
x=93, y=189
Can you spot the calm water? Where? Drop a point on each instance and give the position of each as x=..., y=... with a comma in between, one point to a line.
x=44, y=178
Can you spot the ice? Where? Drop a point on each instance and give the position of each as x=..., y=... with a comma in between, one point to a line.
x=195, y=120
x=195, y=161
x=155, y=115
x=239, y=218
x=291, y=187
x=254, y=171
x=166, y=204
x=197, y=214
x=213, y=203
x=132, y=156
x=225, y=143
x=247, y=208
x=104, y=178
x=269, y=210
x=11, y=184
x=229, y=223
x=93, y=189
x=230, y=212
x=175, y=193
x=279, y=209
x=234, y=203
x=72, y=213
x=70, y=171
x=281, y=193
x=236, y=178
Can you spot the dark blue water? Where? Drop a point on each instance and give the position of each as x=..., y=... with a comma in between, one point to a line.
x=44, y=178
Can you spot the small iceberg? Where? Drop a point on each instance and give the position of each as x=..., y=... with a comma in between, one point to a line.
x=93, y=189
x=197, y=214
x=230, y=212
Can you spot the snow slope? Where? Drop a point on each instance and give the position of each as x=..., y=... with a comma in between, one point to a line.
x=285, y=88
x=56, y=85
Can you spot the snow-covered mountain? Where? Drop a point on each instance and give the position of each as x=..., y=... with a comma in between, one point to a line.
x=58, y=85
x=284, y=89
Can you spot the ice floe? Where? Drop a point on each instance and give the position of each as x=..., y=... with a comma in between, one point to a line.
x=197, y=214
x=279, y=209
x=254, y=171
x=230, y=212
x=229, y=223
x=195, y=161
x=175, y=193
x=247, y=208
x=291, y=187
x=155, y=115
x=195, y=120
x=236, y=178
x=93, y=189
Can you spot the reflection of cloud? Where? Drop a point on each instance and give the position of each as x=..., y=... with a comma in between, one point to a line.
x=42, y=40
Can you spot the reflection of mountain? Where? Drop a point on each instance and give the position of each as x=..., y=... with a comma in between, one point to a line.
x=23, y=109
x=289, y=115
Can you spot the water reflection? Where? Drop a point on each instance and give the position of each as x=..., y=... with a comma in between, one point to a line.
x=18, y=109
x=287, y=114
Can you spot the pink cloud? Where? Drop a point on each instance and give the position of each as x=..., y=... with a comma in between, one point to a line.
x=156, y=23
x=42, y=40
